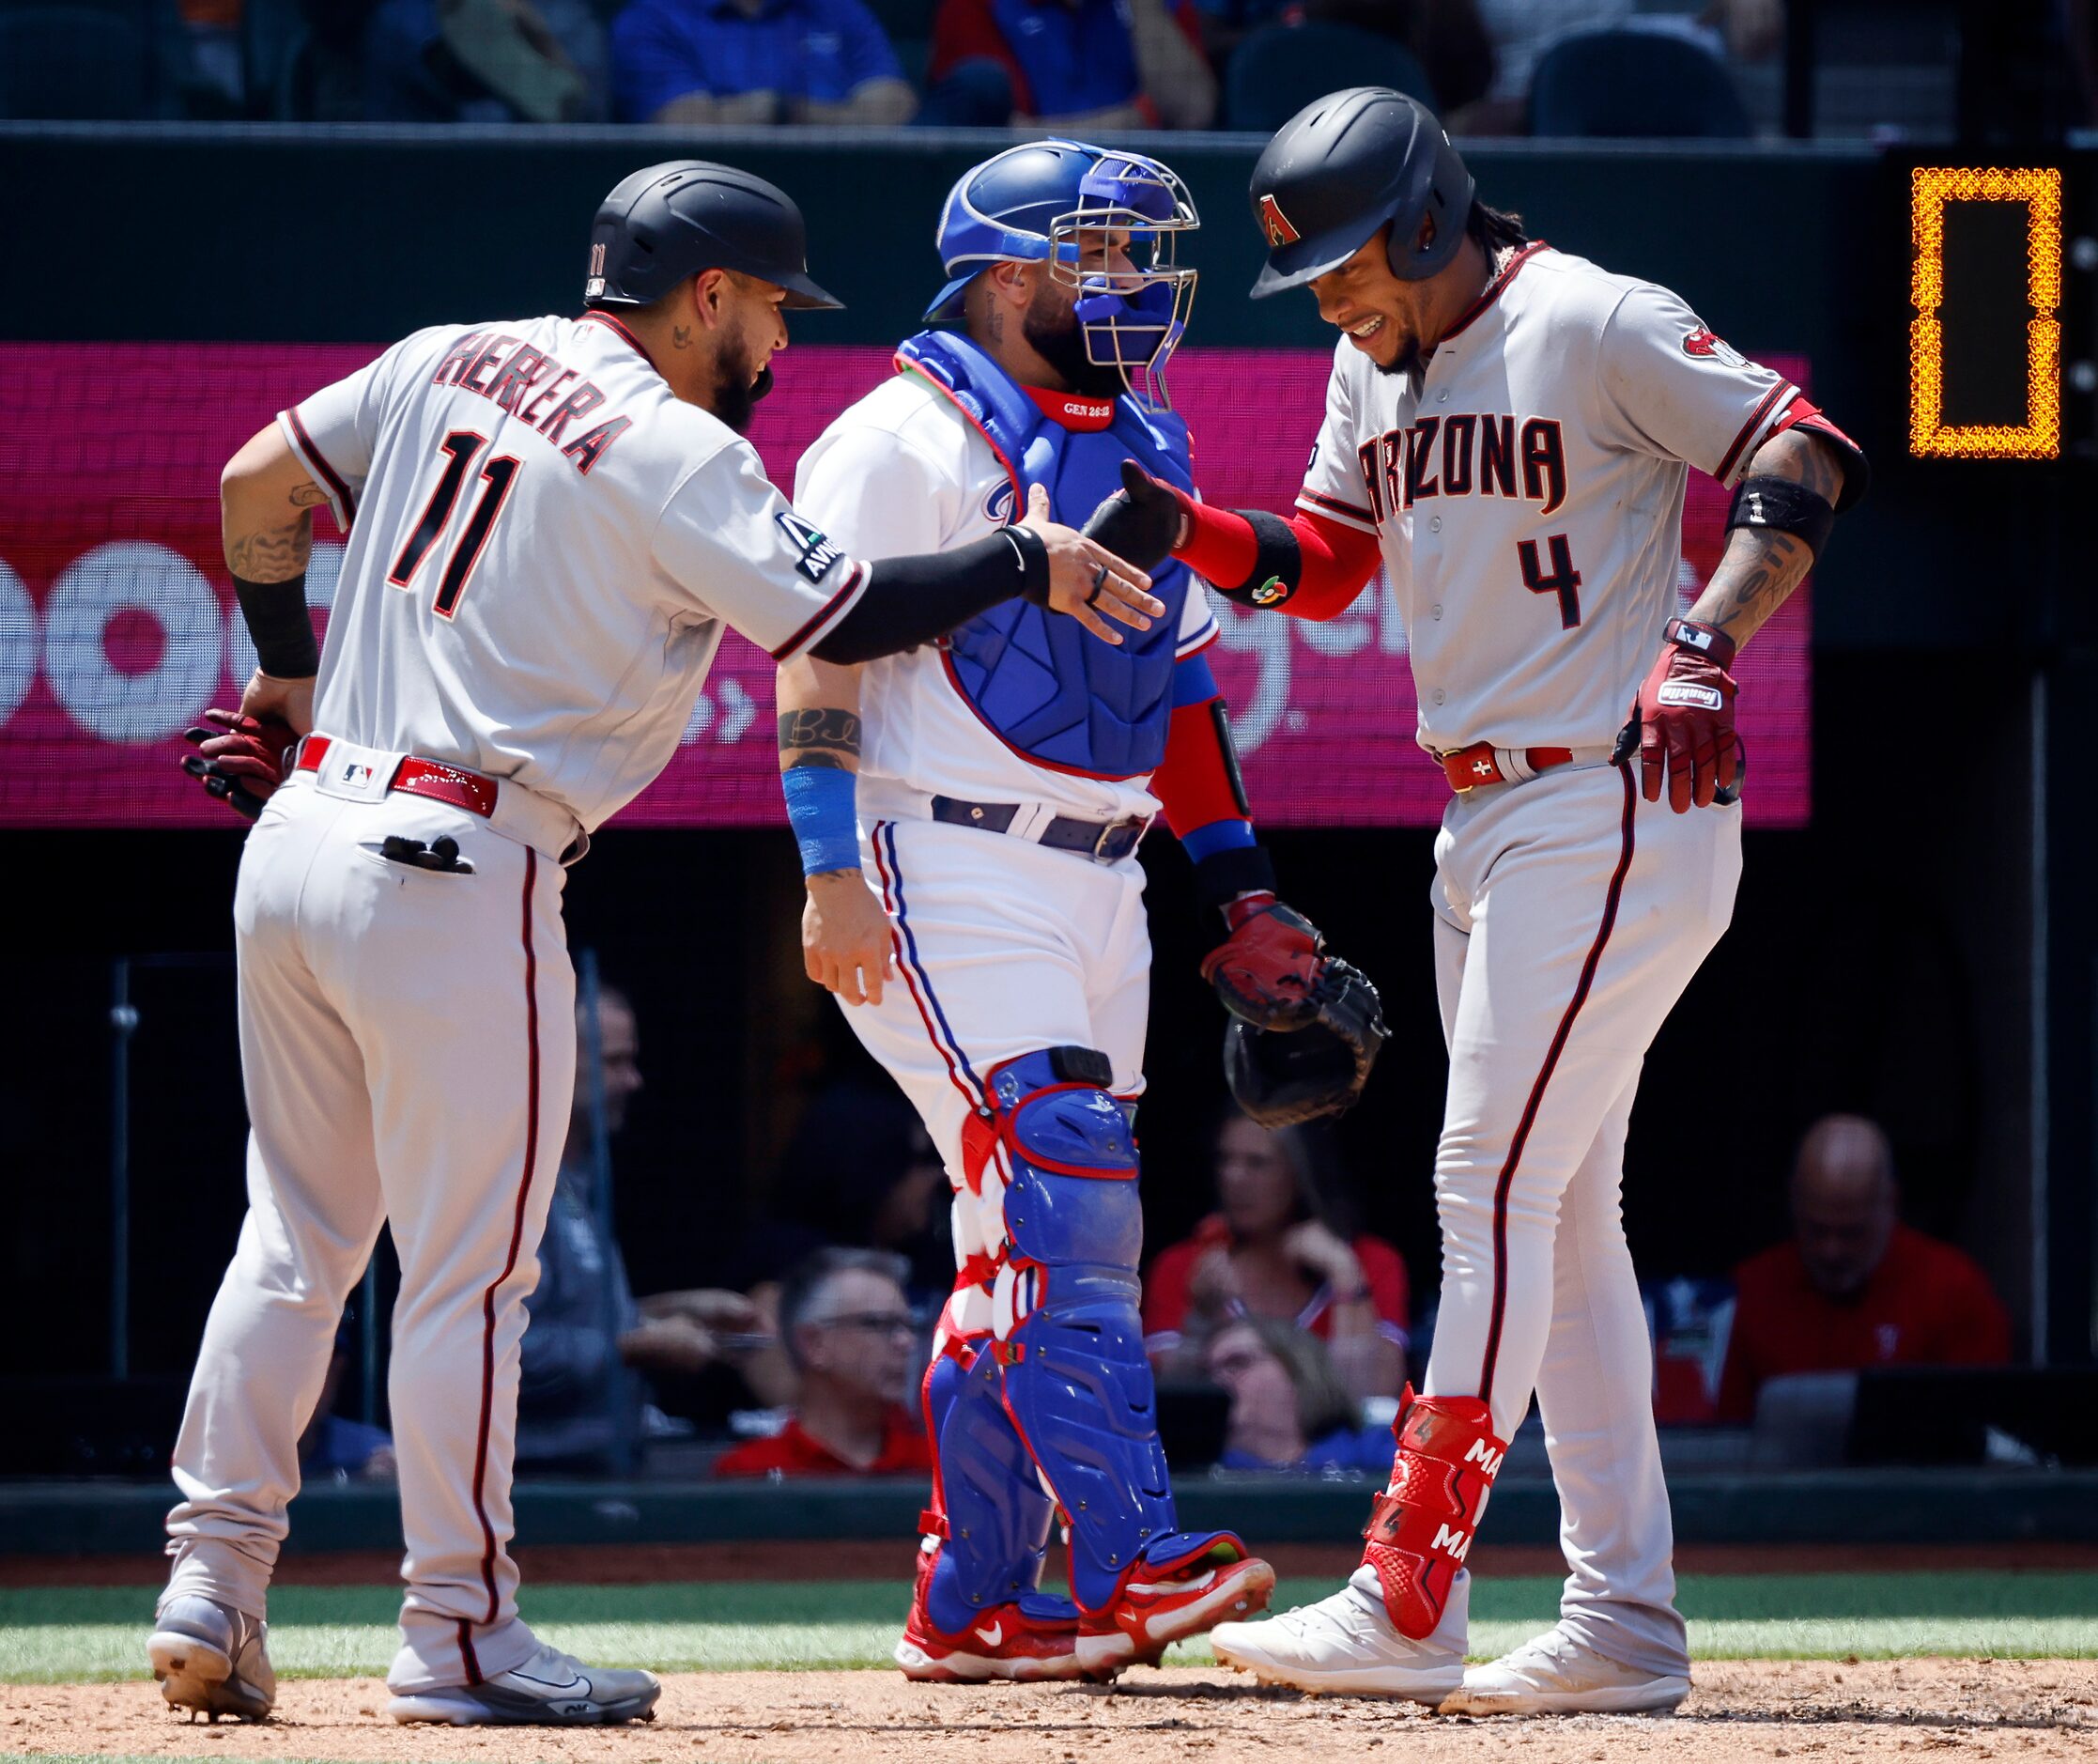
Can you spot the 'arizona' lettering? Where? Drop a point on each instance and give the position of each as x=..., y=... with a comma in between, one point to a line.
x=1465, y=455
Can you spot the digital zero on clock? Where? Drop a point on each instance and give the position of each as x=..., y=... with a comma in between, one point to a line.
x=1968, y=397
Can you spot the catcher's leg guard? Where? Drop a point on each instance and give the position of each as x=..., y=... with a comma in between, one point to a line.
x=1421, y=1526
x=989, y=1516
x=1064, y=1311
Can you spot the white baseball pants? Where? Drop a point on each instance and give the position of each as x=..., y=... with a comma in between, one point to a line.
x=1569, y=915
x=407, y=1044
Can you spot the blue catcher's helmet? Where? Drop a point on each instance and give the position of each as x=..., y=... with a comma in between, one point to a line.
x=1031, y=204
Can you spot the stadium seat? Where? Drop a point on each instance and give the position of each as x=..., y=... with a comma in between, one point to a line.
x=73, y=62
x=1281, y=67
x=1640, y=84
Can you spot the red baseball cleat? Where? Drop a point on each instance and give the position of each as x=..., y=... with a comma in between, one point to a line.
x=1163, y=1602
x=1032, y=1639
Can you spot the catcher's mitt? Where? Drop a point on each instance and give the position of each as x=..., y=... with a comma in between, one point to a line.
x=1283, y=1077
x=239, y=759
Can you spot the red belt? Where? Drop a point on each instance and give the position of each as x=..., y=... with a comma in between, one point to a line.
x=419, y=778
x=1467, y=768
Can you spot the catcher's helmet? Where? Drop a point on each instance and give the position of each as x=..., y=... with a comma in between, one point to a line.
x=672, y=221
x=1339, y=169
x=1030, y=203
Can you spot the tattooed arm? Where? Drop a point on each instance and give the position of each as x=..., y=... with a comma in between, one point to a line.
x=265, y=503
x=844, y=931
x=1761, y=566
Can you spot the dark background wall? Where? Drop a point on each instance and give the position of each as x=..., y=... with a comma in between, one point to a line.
x=1882, y=959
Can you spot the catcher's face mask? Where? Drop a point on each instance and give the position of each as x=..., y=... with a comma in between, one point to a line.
x=1119, y=249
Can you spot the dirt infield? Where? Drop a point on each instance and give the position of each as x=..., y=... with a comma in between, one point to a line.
x=2023, y=1710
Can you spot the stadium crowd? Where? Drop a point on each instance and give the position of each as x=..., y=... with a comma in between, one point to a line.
x=1552, y=67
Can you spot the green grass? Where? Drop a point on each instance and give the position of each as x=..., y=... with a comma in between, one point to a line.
x=67, y=1634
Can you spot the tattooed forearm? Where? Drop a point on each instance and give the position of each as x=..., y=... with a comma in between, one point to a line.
x=274, y=553
x=1763, y=567
x=819, y=736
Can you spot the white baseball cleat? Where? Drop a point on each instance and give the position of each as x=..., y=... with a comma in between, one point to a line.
x=211, y=1659
x=1344, y=1646
x=1555, y=1674
x=551, y=1689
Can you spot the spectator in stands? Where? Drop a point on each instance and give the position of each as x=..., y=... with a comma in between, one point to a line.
x=859, y=1171
x=1445, y=37
x=1855, y=1286
x=1522, y=30
x=1082, y=66
x=756, y=61
x=588, y=1344
x=1288, y=1411
x=1279, y=1246
x=485, y=61
x=853, y=1338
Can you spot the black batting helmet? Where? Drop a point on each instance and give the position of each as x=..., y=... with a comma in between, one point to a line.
x=672, y=221
x=1339, y=169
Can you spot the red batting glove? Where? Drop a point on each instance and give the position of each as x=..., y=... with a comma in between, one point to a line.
x=1685, y=717
x=240, y=759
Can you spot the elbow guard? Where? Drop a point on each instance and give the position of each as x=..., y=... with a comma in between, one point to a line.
x=1277, y=563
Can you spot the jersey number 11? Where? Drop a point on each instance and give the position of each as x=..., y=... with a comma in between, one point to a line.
x=460, y=449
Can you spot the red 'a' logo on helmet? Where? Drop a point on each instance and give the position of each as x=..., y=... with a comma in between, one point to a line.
x=1275, y=225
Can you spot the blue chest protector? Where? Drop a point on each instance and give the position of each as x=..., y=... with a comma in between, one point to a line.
x=1046, y=686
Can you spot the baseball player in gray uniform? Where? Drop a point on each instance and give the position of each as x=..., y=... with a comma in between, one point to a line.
x=1508, y=433
x=551, y=522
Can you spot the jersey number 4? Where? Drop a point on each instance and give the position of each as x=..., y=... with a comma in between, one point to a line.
x=460, y=449
x=1564, y=580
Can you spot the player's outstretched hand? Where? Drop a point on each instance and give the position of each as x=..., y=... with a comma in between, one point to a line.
x=845, y=944
x=1087, y=580
x=1142, y=521
x=1683, y=720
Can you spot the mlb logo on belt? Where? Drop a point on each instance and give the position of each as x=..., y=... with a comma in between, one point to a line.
x=356, y=775
x=1275, y=225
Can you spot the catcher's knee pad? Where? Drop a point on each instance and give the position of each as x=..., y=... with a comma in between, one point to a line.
x=988, y=1508
x=1064, y=1309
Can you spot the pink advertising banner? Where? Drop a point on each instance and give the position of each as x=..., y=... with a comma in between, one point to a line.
x=117, y=625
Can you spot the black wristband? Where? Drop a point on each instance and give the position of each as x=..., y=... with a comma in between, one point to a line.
x=1034, y=563
x=1223, y=875
x=1277, y=563
x=280, y=627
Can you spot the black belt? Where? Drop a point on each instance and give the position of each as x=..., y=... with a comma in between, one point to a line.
x=1103, y=842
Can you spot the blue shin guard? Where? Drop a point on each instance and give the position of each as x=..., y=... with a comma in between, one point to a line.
x=1077, y=1384
x=988, y=1506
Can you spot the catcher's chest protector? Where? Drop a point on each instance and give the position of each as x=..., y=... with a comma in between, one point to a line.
x=1043, y=684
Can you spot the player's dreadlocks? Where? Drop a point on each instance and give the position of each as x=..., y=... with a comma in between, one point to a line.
x=1494, y=227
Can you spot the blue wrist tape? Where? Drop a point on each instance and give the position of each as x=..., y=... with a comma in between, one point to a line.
x=1200, y=841
x=821, y=809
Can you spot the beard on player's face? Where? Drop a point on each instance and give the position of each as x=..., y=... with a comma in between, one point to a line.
x=1051, y=326
x=739, y=382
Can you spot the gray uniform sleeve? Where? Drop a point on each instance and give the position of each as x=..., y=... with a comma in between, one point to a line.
x=1333, y=480
x=740, y=553
x=335, y=431
x=1667, y=386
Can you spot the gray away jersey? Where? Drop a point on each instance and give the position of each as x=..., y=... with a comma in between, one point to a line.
x=545, y=546
x=1526, y=488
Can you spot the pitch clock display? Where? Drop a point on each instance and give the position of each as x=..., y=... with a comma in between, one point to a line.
x=1985, y=329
